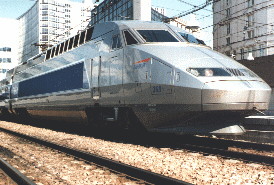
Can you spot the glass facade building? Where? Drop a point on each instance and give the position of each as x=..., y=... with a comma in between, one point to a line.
x=114, y=10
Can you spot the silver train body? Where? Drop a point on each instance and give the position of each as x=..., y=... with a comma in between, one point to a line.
x=136, y=74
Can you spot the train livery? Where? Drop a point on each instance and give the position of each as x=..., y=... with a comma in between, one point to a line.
x=136, y=75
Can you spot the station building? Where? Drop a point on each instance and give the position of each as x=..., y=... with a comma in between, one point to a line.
x=8, y=45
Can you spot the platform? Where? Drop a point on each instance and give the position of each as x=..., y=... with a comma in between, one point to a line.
x=259, y=120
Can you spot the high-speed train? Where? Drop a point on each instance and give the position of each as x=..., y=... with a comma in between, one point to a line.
x=136, y=75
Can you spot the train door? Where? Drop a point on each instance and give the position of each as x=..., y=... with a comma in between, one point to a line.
x=112, y=73
x=161, y=82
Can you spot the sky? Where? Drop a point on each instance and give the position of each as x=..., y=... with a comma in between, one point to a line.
x=15, y=8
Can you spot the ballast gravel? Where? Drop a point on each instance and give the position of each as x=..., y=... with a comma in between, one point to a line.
x=181, y=164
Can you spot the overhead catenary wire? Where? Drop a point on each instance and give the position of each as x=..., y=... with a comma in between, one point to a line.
x=227, y=20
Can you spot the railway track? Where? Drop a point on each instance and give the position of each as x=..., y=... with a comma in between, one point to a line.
x=141, y=175
x=238, y=144
x=219, y=147
x=14, y=174
x=267, y=160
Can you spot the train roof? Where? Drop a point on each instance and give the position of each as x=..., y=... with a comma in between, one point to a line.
x=96, y=31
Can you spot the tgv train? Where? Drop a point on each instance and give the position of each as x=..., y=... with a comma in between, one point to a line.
x=136, y=75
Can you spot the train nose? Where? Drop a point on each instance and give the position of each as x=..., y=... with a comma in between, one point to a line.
x=235, y=95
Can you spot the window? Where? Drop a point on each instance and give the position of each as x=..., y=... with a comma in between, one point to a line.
x=66, y=45
x=250, y=20
x=89, y=34
x=69, y=78
x=242, y=54
x=70, y=43
x=44, y=7
x=262, y=50
x=5, y=60
x=45, y=37
x=61, y=48
x=116, y=42
x=52, y=52
x=228, y=41
x=250, y=34
x=76, y=40
x=82, y=37
x=250, y=3
x=157, y=36
x=228, y=12
x=129, y=38
x=228, y=28
x=5, y=49
x=48, y=54
x=45, y=18
x=250, y=51
x=57, y=50
x=190, y=38
x=45, y=31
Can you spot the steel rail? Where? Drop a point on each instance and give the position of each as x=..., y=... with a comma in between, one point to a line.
x=231, y=154
x=243, y=145
x=141, y=174
x=222, y=142
x=15, y=174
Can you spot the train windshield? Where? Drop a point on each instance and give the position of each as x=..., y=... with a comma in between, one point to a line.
x=190, y=38
x=157, y=36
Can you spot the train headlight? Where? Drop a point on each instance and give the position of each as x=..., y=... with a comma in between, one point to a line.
x=208, y=72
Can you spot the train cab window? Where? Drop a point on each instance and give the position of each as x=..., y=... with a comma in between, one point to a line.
x=190, y=38
x=66, y=45
x=52, y=52
x=82, y=37
x=48, y=54
x=89, y=34
x=70, y=43
x=116, y=42
x=157, y=36
x=61, y=48
x=129, y=38
x=76, y=40
x=57, y=50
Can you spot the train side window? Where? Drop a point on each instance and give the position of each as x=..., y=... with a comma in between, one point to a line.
x=52, y=52
x=48, y=54
x=76, y=40
x=70, y=43
x=57, y=50
x=116, y=42
x=82, y=37
x=89, y=34
x=66, y=45
x=178, y=76
x=61, y=48
x=129, y=38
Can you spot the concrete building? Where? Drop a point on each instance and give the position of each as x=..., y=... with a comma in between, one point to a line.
x=244, y=28
x=160, y=10
x=8, y=45
x=48, y=22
